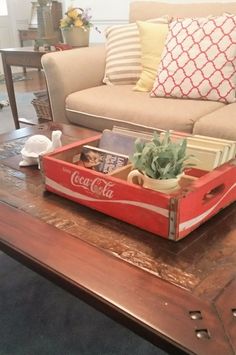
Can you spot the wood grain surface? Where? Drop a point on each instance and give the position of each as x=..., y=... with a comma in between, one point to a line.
x=180, y=296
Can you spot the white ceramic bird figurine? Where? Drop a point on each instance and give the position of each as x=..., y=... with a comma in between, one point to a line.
x=38, y=145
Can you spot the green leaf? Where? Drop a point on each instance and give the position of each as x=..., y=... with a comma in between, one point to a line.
x=161, y=158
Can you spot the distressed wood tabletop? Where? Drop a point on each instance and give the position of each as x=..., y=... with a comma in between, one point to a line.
x=180, y=296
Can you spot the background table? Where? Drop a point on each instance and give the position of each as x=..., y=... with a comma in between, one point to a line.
x=27, y=35
x=30, y=34
x=20, y=57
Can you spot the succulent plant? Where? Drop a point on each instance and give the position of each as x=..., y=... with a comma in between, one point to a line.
x=161, y=158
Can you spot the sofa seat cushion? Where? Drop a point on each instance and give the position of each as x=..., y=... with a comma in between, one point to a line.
x=221, y=123
x=104, y=106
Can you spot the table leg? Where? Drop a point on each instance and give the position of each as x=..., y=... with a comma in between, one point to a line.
x=22, y=45
x=10, y=90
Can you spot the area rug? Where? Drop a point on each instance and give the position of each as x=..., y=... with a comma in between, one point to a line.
x=15, y=77
x=23, y=98
x=24, y=107
x=4, y=103
x=37, y=317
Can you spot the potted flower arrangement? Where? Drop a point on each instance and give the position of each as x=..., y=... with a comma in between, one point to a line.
x=75, y=26
x=160, y=163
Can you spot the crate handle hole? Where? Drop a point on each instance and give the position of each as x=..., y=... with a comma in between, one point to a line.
x=213, y=193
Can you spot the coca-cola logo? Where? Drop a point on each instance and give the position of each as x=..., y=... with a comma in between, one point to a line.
x=97, y=186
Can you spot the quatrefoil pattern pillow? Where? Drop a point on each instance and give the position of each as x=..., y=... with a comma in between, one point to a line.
x=198, y=60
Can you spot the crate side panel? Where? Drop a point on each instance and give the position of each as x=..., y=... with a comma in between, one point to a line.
x=143, y=208
x=210, y=194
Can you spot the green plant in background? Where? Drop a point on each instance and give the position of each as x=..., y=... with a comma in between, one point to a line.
x=160, y=158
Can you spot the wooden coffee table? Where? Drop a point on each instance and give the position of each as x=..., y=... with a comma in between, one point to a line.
x=180, y=296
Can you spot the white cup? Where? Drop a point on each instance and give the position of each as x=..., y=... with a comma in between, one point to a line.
x=154, y=184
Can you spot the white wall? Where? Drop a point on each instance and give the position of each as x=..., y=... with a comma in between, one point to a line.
x=187, y=1
x=104, y=13
x=17, y=18
x=109, y=12
x=19, y=14
x=3, y=8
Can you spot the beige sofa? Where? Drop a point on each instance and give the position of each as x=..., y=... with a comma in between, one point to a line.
x=78, y=96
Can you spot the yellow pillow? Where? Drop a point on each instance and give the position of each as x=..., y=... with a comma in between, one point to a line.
x=152, y=41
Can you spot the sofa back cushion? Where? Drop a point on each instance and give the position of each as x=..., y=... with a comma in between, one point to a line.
x=143, y=10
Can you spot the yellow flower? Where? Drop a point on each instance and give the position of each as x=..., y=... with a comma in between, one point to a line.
x=78, y=22
x=73, y=13
x=76, y=17
x=64, y=22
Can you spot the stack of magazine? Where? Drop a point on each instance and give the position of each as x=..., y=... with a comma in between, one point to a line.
x=118, y=144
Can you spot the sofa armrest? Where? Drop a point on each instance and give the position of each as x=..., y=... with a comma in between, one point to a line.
x=69, y=71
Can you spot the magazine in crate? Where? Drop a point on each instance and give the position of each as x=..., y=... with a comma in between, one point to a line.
x=101, y=160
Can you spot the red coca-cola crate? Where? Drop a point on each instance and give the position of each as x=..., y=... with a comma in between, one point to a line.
x=172, y=216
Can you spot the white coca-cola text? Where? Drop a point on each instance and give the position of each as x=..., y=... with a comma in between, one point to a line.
x=97, y=186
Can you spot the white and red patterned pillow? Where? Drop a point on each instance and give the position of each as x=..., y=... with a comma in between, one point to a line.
x=199, y=60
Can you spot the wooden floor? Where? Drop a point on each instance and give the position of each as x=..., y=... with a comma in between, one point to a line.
x=34, y=81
